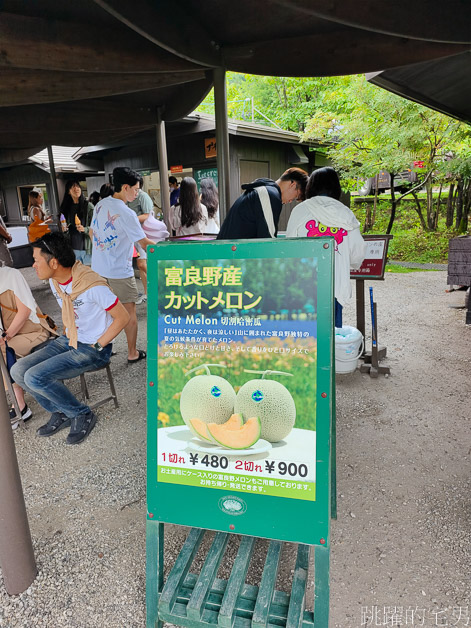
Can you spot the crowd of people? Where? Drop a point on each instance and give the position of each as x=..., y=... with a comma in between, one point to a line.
x=115, y=225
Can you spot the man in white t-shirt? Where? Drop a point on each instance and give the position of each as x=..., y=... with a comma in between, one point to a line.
x=143, y=206
x=113, y=231
x=92, y=317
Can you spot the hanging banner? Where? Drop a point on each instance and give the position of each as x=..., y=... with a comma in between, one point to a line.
x=210, y=148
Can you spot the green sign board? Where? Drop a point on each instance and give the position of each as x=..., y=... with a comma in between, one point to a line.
x=205, y=173
x=240, y=387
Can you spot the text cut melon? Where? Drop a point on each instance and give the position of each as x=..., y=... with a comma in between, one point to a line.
x=242, y=438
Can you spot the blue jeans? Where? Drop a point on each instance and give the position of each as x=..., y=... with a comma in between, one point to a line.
x=41, y=372
x=80, y=255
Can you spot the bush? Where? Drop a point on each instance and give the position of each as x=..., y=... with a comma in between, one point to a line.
x=410, y=242
x=420, y=246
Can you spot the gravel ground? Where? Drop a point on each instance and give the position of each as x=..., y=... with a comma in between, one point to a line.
x=402, y=536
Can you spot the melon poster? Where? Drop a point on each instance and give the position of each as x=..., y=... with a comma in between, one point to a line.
x=236, y=368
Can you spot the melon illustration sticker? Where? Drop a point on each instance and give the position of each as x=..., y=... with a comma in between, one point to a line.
x=237, y=358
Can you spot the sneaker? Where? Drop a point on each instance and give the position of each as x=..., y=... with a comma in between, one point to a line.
x=142, y=298
x=81, y=427
x=56, y=423
x=26, y=414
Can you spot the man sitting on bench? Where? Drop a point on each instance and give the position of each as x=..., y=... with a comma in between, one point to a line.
x=92, y=316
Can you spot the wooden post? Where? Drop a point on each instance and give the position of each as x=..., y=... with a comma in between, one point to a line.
x=154, y=571
x=55, y=194
x=222, y=140
x=371, y=360
x=16, y=549
x=163, y=168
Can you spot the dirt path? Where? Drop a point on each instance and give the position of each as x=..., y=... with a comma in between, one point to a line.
x=402, y=537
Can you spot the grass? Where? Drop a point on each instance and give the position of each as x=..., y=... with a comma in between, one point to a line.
x=402, y=269
x=410, y=242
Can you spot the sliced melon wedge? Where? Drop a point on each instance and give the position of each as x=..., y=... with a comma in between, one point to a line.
x=200, y=429
x=235, y=422
x=242, y=438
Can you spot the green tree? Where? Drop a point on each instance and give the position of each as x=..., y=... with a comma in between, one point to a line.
x=365, y=130
x=371, y=130
x=285, y=102
x=456, y=171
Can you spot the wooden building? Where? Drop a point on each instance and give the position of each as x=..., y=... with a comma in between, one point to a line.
x=16, y=181
x=254, y=151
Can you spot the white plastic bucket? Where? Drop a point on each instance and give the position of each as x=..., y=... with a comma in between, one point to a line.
x=348, y=348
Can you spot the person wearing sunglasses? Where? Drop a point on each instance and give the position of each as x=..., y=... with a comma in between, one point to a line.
x=92, y=316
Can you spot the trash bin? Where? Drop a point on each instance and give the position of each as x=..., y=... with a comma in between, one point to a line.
x=348, y=348
x=20, y=248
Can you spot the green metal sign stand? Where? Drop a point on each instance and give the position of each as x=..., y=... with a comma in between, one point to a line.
x=241, y=425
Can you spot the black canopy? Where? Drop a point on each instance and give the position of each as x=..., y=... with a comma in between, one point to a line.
x=90, y=71
x=442, y=84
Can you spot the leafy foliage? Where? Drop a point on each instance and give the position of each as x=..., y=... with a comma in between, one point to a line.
x=411, y=243
x=365, y=130
x=281, y=101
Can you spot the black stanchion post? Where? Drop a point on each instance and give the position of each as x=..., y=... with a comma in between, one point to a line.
x=360, y=301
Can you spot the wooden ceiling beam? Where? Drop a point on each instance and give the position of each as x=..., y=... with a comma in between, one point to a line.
x=333, y=54
x=28, y=87
x=12, y=157
x=87, y=122
x=60, y=137
x=49, y=44
x=176, y=107
x=87, y=115
x=173, y=27
x=427, y=20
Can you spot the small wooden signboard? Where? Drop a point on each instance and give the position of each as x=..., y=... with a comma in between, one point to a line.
x=372, y=268
x=210, y=147
x=374, y=263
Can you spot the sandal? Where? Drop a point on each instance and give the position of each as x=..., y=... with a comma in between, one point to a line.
x=142, y=356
